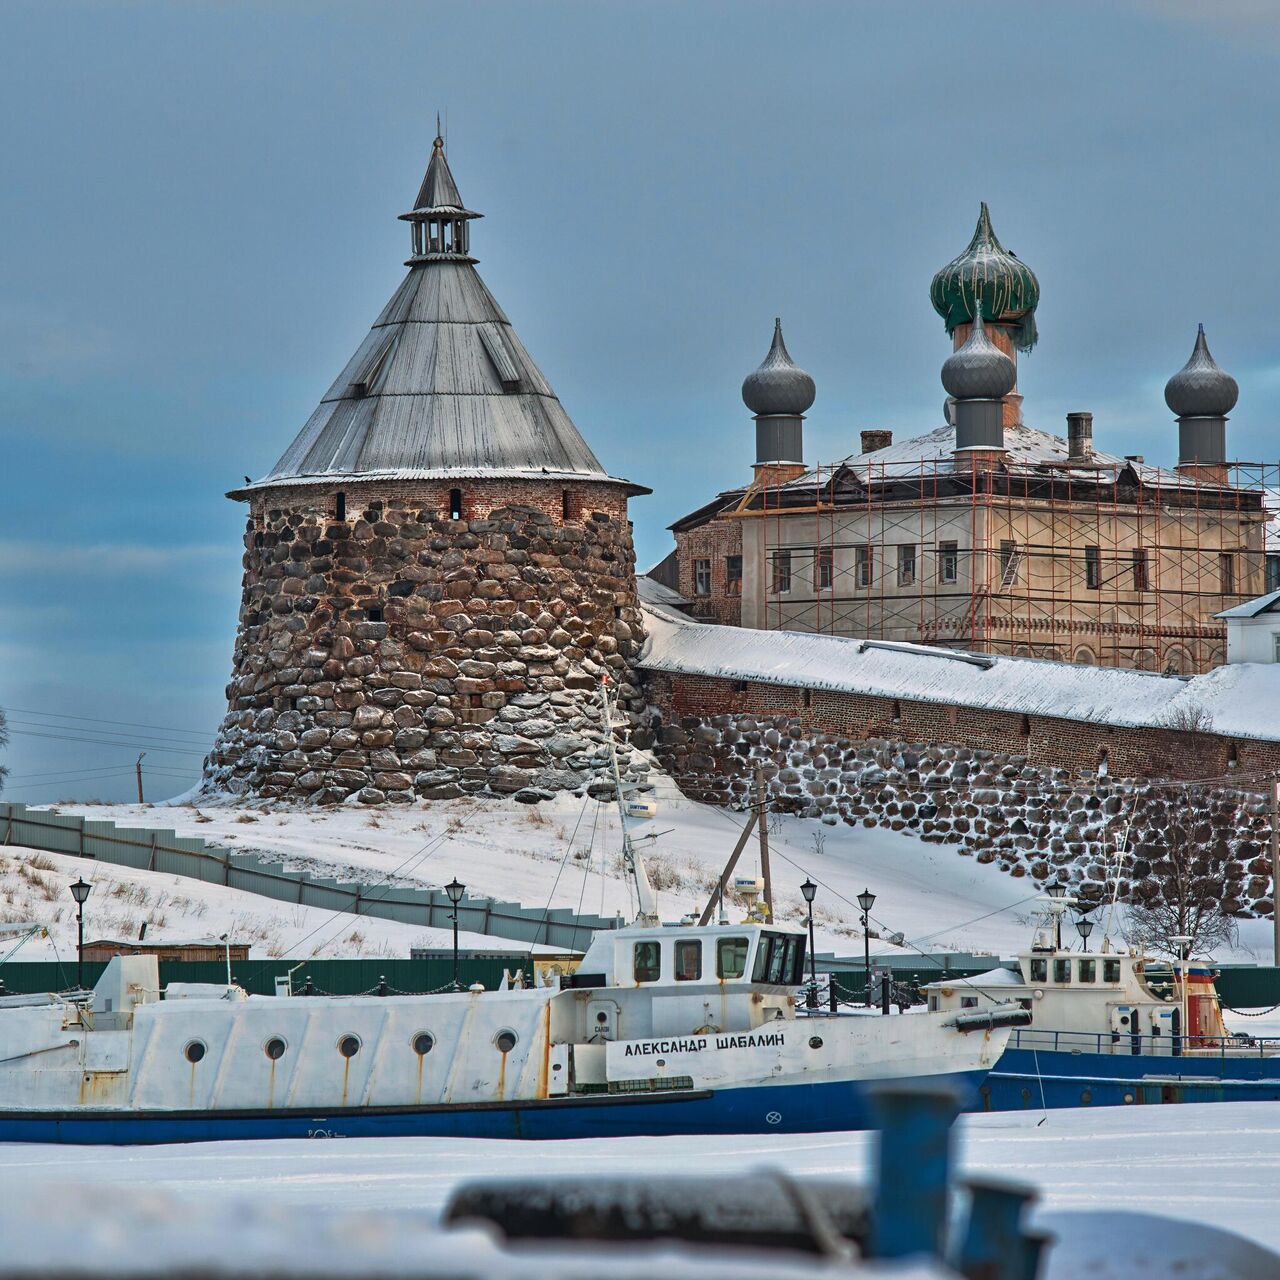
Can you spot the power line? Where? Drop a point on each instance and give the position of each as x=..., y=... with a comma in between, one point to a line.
x=102, y=742
x=132, y=724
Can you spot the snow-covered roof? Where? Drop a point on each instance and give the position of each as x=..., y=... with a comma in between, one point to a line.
x=1238, y=699
x=992, y=978
x=1252, y=608
x=651, y=591
x=1025, y=447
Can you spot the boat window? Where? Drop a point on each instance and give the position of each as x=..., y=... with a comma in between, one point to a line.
x=1039, y=969
x=688, y=960
x=194, y=1051
x=506, y=1040
x=274, y=1048
x=1088, y=970
x=968, y=1002
x=780, y=960
x=648, y=964
x=1062, y=971
x=933, y=1003
x=731, y=957
x=1111, y=971
x=423, y=1043
x=349, y=1046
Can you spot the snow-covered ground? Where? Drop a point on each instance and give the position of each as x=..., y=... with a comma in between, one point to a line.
x=555, y=853
x=1213, y=1164
x=33, y=887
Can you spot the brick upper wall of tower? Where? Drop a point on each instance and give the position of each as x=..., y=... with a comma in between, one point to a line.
x=403, y=652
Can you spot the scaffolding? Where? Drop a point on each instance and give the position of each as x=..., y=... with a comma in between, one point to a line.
x=1109, y=563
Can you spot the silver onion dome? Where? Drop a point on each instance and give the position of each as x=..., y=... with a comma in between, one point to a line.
x=779, y=386
x=1200, y=389
x=979, y=370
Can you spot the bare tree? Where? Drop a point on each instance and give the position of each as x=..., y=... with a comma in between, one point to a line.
x=1185, y=882
x=1188, y=718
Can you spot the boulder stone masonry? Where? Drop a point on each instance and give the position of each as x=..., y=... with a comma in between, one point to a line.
x=398, y=654
x=1042, y=822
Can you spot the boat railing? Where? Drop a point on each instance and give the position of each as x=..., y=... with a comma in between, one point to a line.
x=1124, y=1042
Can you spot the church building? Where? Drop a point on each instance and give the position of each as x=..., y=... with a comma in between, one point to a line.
x=986, y=534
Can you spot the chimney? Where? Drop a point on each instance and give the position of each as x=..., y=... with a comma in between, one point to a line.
x=872, y=441
x=1079, y=437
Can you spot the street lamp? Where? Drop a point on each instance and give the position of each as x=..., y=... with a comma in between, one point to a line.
x=866, y=900
x=80, y=891
x=809, y=889
x=1084, y=927
x=455, y=889
x=1056, y=891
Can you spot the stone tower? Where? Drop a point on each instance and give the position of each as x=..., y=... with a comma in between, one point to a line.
x=437, y=572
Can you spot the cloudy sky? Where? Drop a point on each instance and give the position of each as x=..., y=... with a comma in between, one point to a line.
x=199, y=220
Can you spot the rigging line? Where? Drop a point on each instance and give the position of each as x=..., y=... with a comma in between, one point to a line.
x=331, y=917
x=586, y=879
x=568, y=848
x=132, y=724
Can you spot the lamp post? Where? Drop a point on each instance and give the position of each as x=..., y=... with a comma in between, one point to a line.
x=1056, y=891
x=80, y=891
x=1084, y=927
x=455, y=889
x=809, y=889
x=225, y=939
x=1183, y=942
x=866, y=900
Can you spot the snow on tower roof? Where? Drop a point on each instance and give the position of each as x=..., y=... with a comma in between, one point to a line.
x=441, y=387
x=1237, y=699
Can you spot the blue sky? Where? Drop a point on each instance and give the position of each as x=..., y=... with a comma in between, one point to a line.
x=199, y=218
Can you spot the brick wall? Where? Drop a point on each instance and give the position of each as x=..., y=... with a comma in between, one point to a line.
x=714, y=541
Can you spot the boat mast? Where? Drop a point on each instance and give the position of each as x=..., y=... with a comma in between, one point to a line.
x=646, y=904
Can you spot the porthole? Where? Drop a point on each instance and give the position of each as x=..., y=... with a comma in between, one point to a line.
x=1128, y=1097
x=505, y=1040
x=274, y=1048
x=349, y=1046
x=1086, y=1097
x=423, y=1043
x=195, y=1050
x=815, y=1042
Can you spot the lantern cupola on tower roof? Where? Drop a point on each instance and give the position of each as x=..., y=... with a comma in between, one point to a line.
x=440, y=219
x=989, y=276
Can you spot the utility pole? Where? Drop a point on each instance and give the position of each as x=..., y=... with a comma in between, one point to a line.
x=138, y=767
x=764, y=846
x=1275, y=868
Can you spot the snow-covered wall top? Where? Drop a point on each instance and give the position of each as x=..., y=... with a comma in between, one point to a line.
x=1240, y=700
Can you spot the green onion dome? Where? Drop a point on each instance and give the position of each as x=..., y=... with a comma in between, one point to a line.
x=987, y=273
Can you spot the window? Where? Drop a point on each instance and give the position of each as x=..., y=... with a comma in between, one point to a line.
x=906, y=564
x=780, y=960
x=733, y=575
x=1275, y=640
x=423, y=1043
x=1039, y=969
x=1140, y=579
x=948, y=561
x=968, y=1002
x=455, y=504
x=274, y=1048
x=1062, y=971
x=505, y=1040
x=688, y=960
x=781, y=572
x=373, y=613
x=194, y=1051
x=731, y=957
x=1087, y=970
x=702, y=577
x=808, y=698
x=1092, y=568
x=349, y=1046
x=648, y=963
x=1009, y=557
x=339, y=506
x=1273, y=573
x=1111, y=971
x=566, y=509
x=862, y=562
x=823, y=568
x=1227, y=572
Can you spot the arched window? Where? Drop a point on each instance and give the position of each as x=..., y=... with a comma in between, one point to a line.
x=455, y=504
x=1084, y=656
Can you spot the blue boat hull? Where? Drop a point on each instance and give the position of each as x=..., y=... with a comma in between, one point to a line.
x=1027, y=1080
x=798, y=1108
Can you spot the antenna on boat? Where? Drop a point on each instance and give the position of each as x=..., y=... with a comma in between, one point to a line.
x=646, y=904
x=1122, y=841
